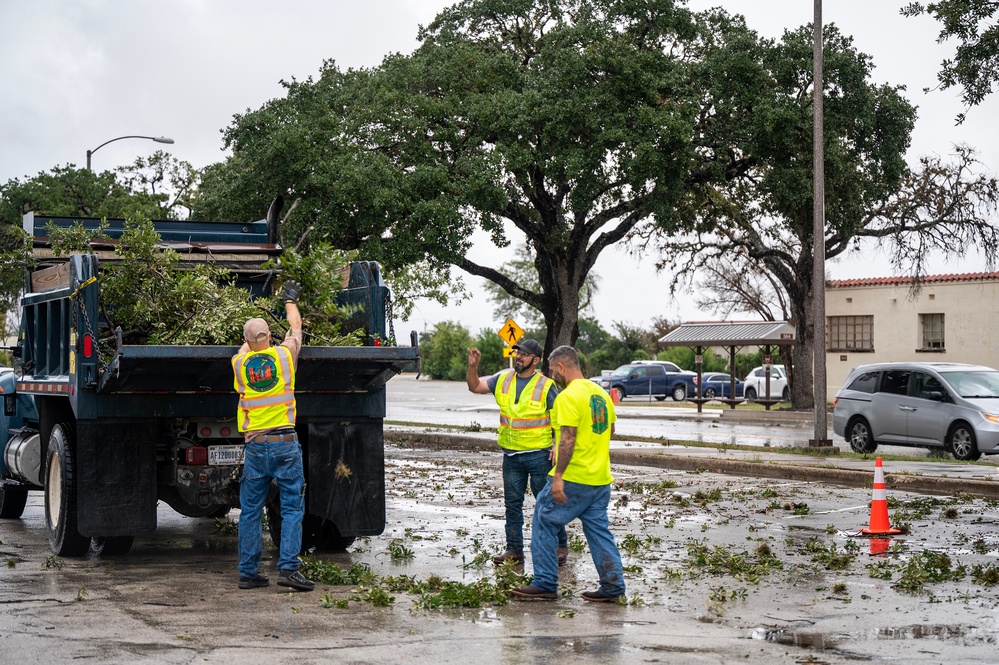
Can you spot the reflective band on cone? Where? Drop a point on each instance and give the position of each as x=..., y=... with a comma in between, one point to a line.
x=879, y=507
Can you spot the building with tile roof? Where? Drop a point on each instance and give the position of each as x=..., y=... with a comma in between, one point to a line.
x=952, y=317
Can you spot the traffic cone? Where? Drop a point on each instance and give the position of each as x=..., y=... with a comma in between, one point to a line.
x=879, y=506
x=615, y=395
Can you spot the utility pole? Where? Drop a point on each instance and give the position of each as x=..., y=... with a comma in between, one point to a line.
x=820, y=439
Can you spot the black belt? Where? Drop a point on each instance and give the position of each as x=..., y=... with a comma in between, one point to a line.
x=279, y=436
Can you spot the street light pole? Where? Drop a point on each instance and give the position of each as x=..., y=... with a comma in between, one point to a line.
x=158, y=139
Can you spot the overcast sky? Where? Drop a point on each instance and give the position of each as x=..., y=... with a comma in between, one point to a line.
x=75, y=74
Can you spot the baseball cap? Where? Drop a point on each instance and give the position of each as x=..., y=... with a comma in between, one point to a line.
x=529, y=346
x=255, y=330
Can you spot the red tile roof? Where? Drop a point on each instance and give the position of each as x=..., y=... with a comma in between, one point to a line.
x=906, y=281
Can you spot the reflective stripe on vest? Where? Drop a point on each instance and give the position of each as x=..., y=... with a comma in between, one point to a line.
x=270, y=408
x=524, y=425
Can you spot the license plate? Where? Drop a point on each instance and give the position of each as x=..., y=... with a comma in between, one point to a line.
x=225, y=455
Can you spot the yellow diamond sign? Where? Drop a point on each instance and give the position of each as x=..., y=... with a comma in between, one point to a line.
x=511, y=332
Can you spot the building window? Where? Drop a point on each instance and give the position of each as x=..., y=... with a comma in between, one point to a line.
x=850, y=333
x=931, y=329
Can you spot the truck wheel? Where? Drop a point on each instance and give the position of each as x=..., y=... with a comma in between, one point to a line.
x=12, y=502
x=679, y=393
x=111, y=545
x=617, y=394
x=660, y=398
x=60, y=494
x=786, y=395
x=317, y=533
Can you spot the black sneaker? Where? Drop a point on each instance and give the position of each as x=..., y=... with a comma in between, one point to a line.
x=254, y=582
x=295, y=580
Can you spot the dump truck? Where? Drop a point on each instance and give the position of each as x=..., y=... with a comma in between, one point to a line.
x=107, y=433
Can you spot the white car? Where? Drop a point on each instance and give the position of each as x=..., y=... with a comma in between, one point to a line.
x=756, y=384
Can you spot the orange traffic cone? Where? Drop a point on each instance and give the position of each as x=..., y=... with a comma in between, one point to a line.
x=616, y=395
x=879, y=506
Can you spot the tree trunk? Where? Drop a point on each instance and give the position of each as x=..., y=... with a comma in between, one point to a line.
x=561, y=310
x=801, y=372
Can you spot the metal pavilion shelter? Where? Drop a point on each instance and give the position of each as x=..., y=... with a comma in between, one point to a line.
x=731, y=335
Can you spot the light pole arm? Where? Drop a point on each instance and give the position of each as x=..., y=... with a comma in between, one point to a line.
x=158, y=139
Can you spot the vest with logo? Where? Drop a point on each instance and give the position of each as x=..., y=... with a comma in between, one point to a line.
x=524, y=425
x=265, y=381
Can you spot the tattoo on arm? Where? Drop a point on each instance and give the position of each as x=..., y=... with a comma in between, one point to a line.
x=566, y=446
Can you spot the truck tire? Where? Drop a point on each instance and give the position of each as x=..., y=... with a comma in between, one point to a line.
x=111, y=545
x=679, y=392
x=750, y=393
x=317, y=533
x=12, y=502
x=60, y=494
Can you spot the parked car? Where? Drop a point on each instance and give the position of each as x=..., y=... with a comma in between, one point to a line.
x=933, y=405
x=756, y=384
x=717, y=384
x=658, y=378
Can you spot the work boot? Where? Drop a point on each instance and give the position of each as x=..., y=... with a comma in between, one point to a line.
x=563, y=555
x=599, y=596
x=254, y=582
x=532, y=592
x=509, y=556
x=295, y=580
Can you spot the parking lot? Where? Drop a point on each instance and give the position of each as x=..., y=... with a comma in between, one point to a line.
x=718, y=568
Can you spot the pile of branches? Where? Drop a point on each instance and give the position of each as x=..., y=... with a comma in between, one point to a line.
x=156, y=299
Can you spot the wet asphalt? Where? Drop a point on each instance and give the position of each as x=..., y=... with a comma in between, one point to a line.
x=692, y=541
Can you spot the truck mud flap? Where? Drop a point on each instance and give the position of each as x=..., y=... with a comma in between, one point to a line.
x=347, y=476
x=116, y=478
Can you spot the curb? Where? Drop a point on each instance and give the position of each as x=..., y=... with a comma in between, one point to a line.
x=797, y=417
x=984, y=489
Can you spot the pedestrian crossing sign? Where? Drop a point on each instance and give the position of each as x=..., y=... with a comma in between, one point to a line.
x=510, y=333
x=509, y=352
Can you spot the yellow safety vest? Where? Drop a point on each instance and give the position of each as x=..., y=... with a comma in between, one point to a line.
x=265, y=381
x=524, y=425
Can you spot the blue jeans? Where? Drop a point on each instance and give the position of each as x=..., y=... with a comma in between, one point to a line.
x=281, y=461
x=589, y=504
x=516, y=470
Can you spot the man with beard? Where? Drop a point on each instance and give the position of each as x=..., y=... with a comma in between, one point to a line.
x=525, y=397
x=583, y=419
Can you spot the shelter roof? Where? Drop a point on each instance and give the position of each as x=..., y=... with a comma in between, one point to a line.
x=730, y=333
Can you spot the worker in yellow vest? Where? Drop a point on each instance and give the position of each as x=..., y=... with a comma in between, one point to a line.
x=265, y=381
x=525, y=397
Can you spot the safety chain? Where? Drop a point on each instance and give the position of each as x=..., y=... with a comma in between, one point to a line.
x=86, y=320
x=391, y=323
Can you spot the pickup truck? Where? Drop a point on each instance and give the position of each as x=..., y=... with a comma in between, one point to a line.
x=106, y=431
x=658, y=378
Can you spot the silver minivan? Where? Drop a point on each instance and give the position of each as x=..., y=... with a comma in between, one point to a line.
x=927, y=404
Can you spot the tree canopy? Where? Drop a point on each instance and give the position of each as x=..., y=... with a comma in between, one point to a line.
x=975, y=65
x=762, y=222
x=569, y=123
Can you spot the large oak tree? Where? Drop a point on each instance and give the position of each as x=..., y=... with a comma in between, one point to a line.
x=566, y=123
x=761, y=221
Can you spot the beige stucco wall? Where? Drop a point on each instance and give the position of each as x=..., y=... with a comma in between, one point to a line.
x=971, y=324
